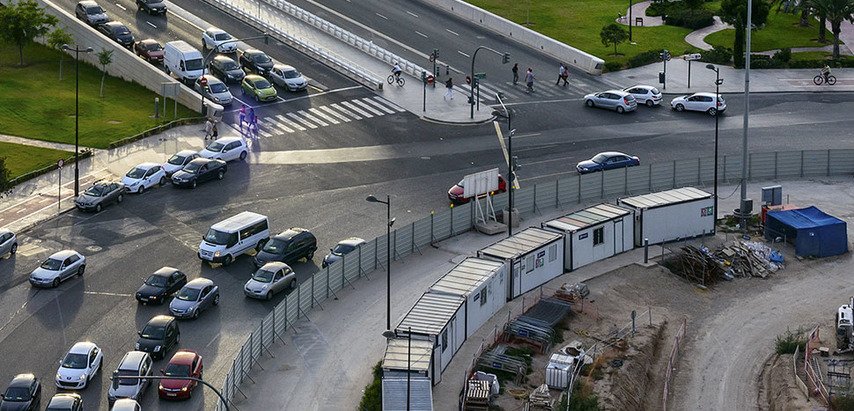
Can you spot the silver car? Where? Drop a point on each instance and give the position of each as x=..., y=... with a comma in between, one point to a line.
x=59, y=267
x=648, y=95
x=270, y=279
x=133, y=364
x=178, y=161
x=287, y=77
x=195, y=297
x=215, y=90
x=343, y=247
x=617, y=100
x=8, y=243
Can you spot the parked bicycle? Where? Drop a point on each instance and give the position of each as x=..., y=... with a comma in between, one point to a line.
x=830, y=80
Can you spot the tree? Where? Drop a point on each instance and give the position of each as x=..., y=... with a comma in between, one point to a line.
x=22, y=22
x=5, y=183
x=735, y=12
x=55, y=40
x=613, y=34
x=836, y=11
x=105, y=57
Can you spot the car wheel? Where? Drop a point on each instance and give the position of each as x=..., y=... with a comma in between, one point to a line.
x=216, y=300
x=162, y=181
x=268, y=296
x=81, y=270
x=140, y=190
x=120, y=198
x=293, y=283
x=310, y=256
x=220, y=175
x=97, y=208
x=242, y=155
x=194, y=184
x=14, y=249
x=196, y=314
x=650, y=103
x=227, y=260
x=680, y=107
x=257, y=99
x=590, y=103
x=55, y=283
x=712, y=111
x=620, y=109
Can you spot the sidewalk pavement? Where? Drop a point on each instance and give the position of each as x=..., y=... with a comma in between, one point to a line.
x=697, y=38
x=39, y=143
x=638, y=10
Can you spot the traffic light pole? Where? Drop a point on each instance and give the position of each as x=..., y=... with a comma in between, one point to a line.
x=506, y=59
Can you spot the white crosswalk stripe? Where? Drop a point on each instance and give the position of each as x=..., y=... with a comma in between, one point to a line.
x=313, y=118
x=344, y=110
x=289, y=123
x=280, y=126
x=378, y=105
x=368, y=107
x=301, y=120
x=390, y=104
x=323, y=115
x=353, y=107
x=334, y=113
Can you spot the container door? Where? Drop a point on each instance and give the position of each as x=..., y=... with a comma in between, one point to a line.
x=517, y=279
x=618, y=237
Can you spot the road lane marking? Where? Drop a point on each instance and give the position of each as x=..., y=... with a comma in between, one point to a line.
x=289, y=123
x=335, y=113
x=367, y=107
x=463, y=53
x=411, y=14
x=352, y=107
x=312, y=118
x=421, y=34
x=345, y=111
x=381, y=16
x=108, y=294
x=301, y=120
x=381, y=107
x=323, y=115
x=121, y=7
x=390, y=104
x=150, y=24
x=452, y=32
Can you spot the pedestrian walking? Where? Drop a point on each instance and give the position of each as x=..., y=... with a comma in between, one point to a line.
x=253, y=123
x=214, y=132
x=449, y=86
x=515, y=73
x=209, y=125
x=563, y=74
x=529, y=80
x=242, y=116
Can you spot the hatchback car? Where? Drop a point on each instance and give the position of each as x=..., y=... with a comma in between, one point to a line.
x=617, y=100
x=184, y=363
x=199, y=171
x=160, y=285
x=57, y=268
x=153, y=7
x=178, y=161
x=341, y=249
x=23, y=394
x=126, y=404
x=100, y=195
x=159, y=335
x=256, y=61
x=65, y=402
x=457, y=192
x=8, y=243
x=288, y=247
x=607, y=161
x=287, y=77
x=118, y=32
x=259, y=88
x=270, y=279
x=144, y=176
x=79, y=365
x=133, y=364
x=216, y=38
x=215, y=90
x=648, y=95
x=226, y=149
x=149, y=49
x=704, y=102
x=227, y=69
x=193, y=298
x=91, y=13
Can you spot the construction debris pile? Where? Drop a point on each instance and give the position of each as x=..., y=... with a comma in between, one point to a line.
x=737, y=259
x=536, y=327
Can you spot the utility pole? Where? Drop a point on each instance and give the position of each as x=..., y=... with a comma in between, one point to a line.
x=742, y=207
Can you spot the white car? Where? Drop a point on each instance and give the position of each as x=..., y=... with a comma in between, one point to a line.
x=178, y=161
x=126, y=404
x=704, y=102
x=214, y=38
x=82, y=362
x=144, y=176
x=648, y=95
x=57, y=268
x=226, y=149
x=287, y=77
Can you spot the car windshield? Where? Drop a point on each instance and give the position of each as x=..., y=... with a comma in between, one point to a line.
x=600, y=158
x=218, y=88
x=216, y=147
x=176, y=160
x=262, y=83
x=76, y=361
x=136, y=173
x=156, y=281
x=189, y=294
x=128, y=381
x=222, y=37
x=192, y=168
x=341, y=249
x=16, y=394
x=95, y=191
x=153, y=332
x=122, y=30
x=291, y=74
x=218, y=237
x=276, y=246
x=261, y=58
x=655, y=91
x=153, y=47
x=94, y=10
x=51, y=264
x=263, y=276
x=177, y=370
x=229, y=65
x=194, y=64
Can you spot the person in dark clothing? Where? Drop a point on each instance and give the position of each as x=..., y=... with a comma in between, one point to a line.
x=449, y=85
x=515, y=73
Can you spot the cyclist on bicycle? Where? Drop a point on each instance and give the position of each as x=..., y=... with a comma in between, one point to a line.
x=825, y=72
x=396, y=70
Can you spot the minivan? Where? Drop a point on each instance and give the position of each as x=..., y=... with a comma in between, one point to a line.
x=234, y=236
x=133, y=364
x=183, y=61
x=288, y=247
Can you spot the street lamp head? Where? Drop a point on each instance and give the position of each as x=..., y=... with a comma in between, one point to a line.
x=711, y=67
x=66, y=47
x=89, y=49
x=372, y=199
x=389, y=334
x=391, y=222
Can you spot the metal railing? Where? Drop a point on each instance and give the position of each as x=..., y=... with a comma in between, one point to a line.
x=671, y=362
x=811, y=368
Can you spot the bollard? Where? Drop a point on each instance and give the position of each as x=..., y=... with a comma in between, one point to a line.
x=646, y=250
x=447, y=69
x=156, y=107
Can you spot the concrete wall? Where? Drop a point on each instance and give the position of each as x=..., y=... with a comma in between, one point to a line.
x=553, y=48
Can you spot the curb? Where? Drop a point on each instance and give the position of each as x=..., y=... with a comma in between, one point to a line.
x=30, y=225
x=458, y=123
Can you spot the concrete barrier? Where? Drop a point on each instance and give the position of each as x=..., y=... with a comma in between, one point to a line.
x=551, y=47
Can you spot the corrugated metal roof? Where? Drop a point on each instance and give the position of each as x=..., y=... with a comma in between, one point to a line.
x=430, y=314
x=675, y=196
x=396, y=353
x=420, y=394
x=521, y=243
x=466, y=277
x=588, y=217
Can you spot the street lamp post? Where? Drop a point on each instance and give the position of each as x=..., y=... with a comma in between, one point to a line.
x=511, y=173
x=742, y=203
x=630, y=21
x=76, y=51
x=506, y=59
x=718, y=82
x=389, y=222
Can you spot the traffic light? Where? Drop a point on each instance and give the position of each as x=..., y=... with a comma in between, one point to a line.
x=506, y=58
x=435, y=53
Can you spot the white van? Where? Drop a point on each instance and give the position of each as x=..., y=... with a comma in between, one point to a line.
x=234, y=236
x=183, y=61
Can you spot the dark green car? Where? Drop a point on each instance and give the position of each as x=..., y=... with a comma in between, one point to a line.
x=259, y=88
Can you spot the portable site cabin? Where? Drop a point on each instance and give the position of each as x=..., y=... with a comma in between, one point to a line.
x=394, y=367
x=483, y=285
x=671, y=215
x=593, y=234
x=534, y=255
x=436, y=317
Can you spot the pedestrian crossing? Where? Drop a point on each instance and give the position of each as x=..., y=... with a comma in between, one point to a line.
x=542, y=89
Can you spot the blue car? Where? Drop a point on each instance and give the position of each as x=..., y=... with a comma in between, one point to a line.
x=607, y=161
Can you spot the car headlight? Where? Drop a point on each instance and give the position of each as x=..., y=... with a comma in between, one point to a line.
x=160, y=386
x=184, y=389
x=153, y=297
x=217, y=254
x=136, y=346
x=156, y=348
x=264, y=287
x=82, y=377
x=58, y=377
x=215, y=99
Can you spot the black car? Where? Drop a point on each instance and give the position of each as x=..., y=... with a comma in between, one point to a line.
x=65, y=402
x=152, y=7
x=608, y=160
x=256, y=61
x=118, y=32
x=100, y=195
x=198, y=171
x=23, y=394
x=288, y=247
x=160, y=285
x=226, y=69
x=159, y=335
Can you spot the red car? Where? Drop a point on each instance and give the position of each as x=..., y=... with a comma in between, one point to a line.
x=184, y=363
x=149, y=49
x=455, y=194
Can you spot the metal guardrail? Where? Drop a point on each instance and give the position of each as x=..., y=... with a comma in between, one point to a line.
x=566, y=192
x=811, y=369
x=671, y=362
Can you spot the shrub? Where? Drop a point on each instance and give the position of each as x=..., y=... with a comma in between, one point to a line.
x=372, y=399
x=788, y=341
x=658, y=8
x=761, y=61
x=717, y=55
x=692, y=19
x=783, y=55
x=642, y=59
x=614, y=66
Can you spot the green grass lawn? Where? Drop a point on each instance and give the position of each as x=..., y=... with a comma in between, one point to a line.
x=34, y=103
x=782, y=30
x=22, y=159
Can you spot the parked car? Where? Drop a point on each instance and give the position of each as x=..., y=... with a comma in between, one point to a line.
x=8, y=243
x=153, y=7
x=144, y=176
x=216, y=38
x=118, y=32
x=648, y=95
x=22, y=394
x=184, y=363
x=455, y=193
x=342, y=248
x=159, y=335
x=178, y=161
x=126, y=404
x=133, y=364
x=256, y=61
x=607, y=161
x=215, y=91
x=259, y=88
x=79, y=365
x=91, y=13
x=617, y=100
x=226, y=149
x=704, y=102
x=193, y=298
x=160, y=285
x=288, y=247
x=100, y=195
x=59, y=267
x=198, y=171
x=65, y=402
x=269, y=280
x=287, y=77
x=149, y=49
x=227, y=69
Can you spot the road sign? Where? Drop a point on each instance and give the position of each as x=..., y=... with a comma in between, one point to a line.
x=480, y=76
x=60, y=163
x=692, y=57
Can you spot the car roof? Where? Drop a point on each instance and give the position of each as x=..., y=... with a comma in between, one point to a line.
x=354, y=241
x=149, y=41
x=88, y=3
x=63, y=254
x=618, y=92
x=165, y=271
x=253, y=51
x=283, y=67
x=200, y=160
x=104, y=182
x=65, y=399
x=22, y=380
x=703, y=93
x=291, y=233
x=212, y=79
x=215, y=30
x=183, y=357
x=82, y=347
x=185, y=153
x=131, y=360
x=253, y=77
x=4, y=231
x=160, y=320
x=147, y=165
x=220, y=57
x=612, y=154
x=275, y=266
x=227, y=140
x=641, y=86
x=113, y=23
x=199, y=283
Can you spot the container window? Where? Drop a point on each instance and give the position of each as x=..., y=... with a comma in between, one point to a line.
x=598, y=236
x=483, y=296
x=444, y=340
x=529, y=263
x=553, y=252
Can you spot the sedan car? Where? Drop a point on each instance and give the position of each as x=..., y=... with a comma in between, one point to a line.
x=195, y=297
x=178, y=161
x=118, y=32
x=149, y=49
x=227, y=69
x=607, y=161
x=216, y=38
x=59, y=267
x=256, y=61
x=144, y=176
x=704, y=102
x=133, y=364
x=199, y=170
x=82, y=362
x=288, y=247
x=259, y=88
x=23, y=394
x=8, y=243
x=91, y=13
x=160, y=285
x=65, y=402
x=215, y=90
x=455, y=193
x=226, y=149
x=287, y=77
x=617, y=100
x=184, y=363
x=100, y=195
x=648, y=95
x=153, y=7
x=269, y=280
x=342, y=248
x=159, y=335
x=126, y=404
